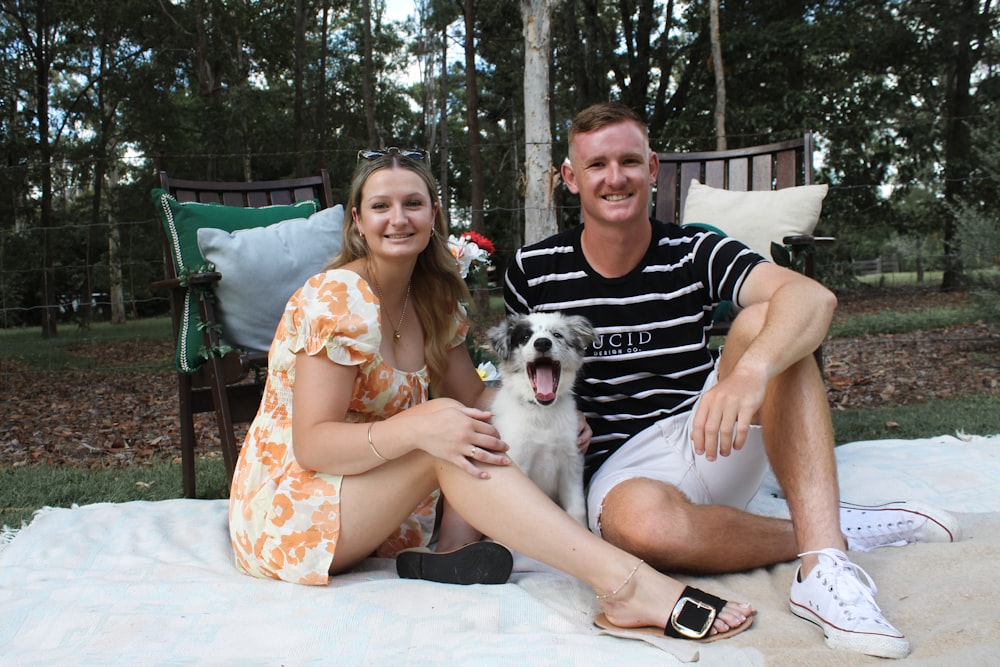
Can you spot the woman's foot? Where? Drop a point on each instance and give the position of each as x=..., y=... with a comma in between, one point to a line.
x=650, y=601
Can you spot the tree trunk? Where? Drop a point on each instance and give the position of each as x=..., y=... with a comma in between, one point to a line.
x=115, y=281
x=319, y=157
x=443, y=94
x=958, y=139
x=299, y=68
x=368, y=74
x=477, y=199
x=42, y=55
x=720, y=77
x=541, y=176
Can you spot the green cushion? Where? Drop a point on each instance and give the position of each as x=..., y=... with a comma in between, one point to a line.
x=181, y=222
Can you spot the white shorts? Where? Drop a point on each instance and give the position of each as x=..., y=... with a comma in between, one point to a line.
x=664, y=452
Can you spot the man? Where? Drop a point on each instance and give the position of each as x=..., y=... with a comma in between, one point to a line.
x=679, y=447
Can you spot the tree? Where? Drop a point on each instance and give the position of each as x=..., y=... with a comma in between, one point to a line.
x=368, y=73
x=967, y=35
x=40, y=34
x=477, y=199
x=541, y=177
x=720, y=78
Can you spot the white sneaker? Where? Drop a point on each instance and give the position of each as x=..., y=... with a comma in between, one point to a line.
x=834, y=597
x=895, y=524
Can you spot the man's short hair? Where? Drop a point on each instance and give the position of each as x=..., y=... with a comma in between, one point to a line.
x=601, y=115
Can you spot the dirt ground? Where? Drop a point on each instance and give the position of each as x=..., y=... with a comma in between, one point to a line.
x=111, y=418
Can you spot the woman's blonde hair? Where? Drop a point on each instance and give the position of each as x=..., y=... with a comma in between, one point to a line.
x=438, y=291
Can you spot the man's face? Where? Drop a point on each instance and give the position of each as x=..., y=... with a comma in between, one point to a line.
x=612, y=170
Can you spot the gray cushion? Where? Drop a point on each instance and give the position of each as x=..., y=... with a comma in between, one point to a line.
x=262, y=267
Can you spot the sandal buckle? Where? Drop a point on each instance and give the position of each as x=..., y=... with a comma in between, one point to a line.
x=692, y=618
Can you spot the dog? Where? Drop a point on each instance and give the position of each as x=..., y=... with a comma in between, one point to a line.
x=534, y=410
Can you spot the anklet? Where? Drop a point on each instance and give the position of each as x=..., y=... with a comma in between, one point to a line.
x=624, y=584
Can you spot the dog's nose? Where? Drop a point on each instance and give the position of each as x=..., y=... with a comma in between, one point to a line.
x=543, y=344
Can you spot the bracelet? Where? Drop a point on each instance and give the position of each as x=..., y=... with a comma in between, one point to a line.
x=372, y=444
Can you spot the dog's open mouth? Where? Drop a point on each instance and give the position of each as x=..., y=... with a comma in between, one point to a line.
x=543, y=374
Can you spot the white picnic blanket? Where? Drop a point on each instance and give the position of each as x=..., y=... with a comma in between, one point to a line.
x=153, y=584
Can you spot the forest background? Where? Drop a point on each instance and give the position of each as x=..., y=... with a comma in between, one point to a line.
x=95, y=96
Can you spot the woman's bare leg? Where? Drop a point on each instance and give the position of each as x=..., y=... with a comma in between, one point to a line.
x=513, y=511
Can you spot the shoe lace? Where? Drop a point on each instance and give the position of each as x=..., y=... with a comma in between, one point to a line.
x=852, y=587
x=867, y=535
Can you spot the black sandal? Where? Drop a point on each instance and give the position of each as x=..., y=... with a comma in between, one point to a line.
x=691, y=618
x=475, y=563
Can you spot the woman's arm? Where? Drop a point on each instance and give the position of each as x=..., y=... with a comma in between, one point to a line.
x=462, y=381
x=325, y=442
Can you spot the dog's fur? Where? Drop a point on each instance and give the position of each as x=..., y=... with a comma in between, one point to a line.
x=535, y=416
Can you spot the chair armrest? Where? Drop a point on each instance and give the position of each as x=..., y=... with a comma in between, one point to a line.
x=799, y=240
x=206, y=278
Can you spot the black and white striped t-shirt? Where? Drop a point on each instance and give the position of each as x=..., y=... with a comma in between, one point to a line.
x=651, y=356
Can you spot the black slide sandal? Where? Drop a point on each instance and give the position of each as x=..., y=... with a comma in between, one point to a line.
x=476, y=563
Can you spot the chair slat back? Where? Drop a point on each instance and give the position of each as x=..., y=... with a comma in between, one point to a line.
x=250, y=194
x=768, y=167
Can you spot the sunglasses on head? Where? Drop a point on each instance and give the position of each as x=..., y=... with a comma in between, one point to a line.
x=376, y=153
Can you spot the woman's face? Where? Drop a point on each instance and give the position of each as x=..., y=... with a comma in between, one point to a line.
x=395, y=213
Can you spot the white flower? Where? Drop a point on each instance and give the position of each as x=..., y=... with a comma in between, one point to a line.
x=466, y=253
x=488, y=372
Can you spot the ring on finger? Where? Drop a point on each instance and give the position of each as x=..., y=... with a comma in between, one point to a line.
x=473, y=452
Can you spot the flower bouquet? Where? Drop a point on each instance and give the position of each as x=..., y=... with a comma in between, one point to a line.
x=471, y=250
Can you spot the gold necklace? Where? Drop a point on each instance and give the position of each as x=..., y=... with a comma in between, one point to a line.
x=406, y=300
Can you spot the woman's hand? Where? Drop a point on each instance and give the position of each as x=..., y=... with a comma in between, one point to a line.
x=452, y=432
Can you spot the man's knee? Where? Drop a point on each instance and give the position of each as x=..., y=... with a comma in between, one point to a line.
x=646, y=517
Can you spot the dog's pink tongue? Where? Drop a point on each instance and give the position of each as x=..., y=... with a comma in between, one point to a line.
x=544, y=384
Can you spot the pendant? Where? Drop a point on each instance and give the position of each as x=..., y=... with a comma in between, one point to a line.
x=396, y=335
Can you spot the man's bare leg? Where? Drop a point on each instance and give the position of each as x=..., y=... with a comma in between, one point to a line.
x=657, y=523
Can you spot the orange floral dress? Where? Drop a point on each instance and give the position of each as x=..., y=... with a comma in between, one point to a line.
x=284, y=521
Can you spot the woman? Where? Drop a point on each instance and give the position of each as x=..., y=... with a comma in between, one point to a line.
x=347, y=453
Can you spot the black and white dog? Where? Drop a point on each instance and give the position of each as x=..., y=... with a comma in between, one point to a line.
x=534, y=410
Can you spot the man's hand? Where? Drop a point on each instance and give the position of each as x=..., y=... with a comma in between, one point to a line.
x=725, y=413
x=583, y=433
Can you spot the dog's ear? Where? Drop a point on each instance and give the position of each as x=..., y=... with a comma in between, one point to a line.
x=582, y=331
x=500, y=338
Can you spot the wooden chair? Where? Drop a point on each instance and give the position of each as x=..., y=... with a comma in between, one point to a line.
x=767, y=167
x=772, y=166
x=230, y=386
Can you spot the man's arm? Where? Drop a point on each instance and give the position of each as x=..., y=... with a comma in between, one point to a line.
x=798, y=313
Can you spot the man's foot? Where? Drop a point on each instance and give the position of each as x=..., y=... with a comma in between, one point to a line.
x=836, y=598
x=475, y=563
x=895, y=524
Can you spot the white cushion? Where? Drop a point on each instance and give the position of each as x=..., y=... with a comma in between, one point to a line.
x=263, y=266
x=758, y=217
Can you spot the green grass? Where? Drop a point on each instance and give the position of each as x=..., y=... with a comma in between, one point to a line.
x=26, y=489
x=893, y=322
x=74, y=348
x=930, y=278
x=973, y=414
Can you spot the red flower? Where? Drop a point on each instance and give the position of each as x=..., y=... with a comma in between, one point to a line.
x=481, y=241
